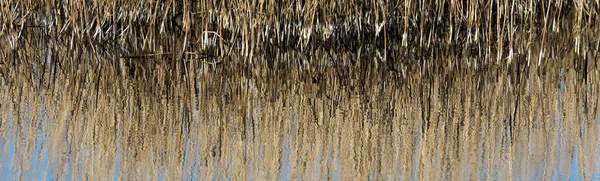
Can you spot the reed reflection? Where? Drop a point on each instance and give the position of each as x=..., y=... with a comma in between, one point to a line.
x=148, y=119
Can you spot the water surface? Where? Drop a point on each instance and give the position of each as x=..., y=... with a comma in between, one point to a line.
x=203, y=121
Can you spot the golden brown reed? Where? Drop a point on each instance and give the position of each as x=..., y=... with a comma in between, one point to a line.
x=214, y=89
x=504, y=31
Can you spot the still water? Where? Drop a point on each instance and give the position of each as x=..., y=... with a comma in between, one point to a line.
x=299, y=90
x=199, y=120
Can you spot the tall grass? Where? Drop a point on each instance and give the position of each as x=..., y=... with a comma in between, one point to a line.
x=500, y=30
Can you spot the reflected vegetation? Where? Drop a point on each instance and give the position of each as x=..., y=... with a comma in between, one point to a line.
x=411, y=90
x=149, y=119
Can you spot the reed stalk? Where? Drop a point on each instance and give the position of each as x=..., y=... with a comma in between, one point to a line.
x=495, y=27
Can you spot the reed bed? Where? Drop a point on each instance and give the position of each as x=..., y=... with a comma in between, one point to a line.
x=371, y=89
x=497, y=31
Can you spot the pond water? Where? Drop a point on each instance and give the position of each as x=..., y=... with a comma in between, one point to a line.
x=198, y=120
x=299, y=90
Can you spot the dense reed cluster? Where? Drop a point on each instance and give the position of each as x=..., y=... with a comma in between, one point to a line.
x=311, y=90
x=188, y=29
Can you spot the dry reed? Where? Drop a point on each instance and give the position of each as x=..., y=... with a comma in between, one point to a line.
x=500, y=30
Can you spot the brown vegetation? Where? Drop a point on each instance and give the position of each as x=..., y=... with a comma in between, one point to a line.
x=490, y=30
x=446, y=89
